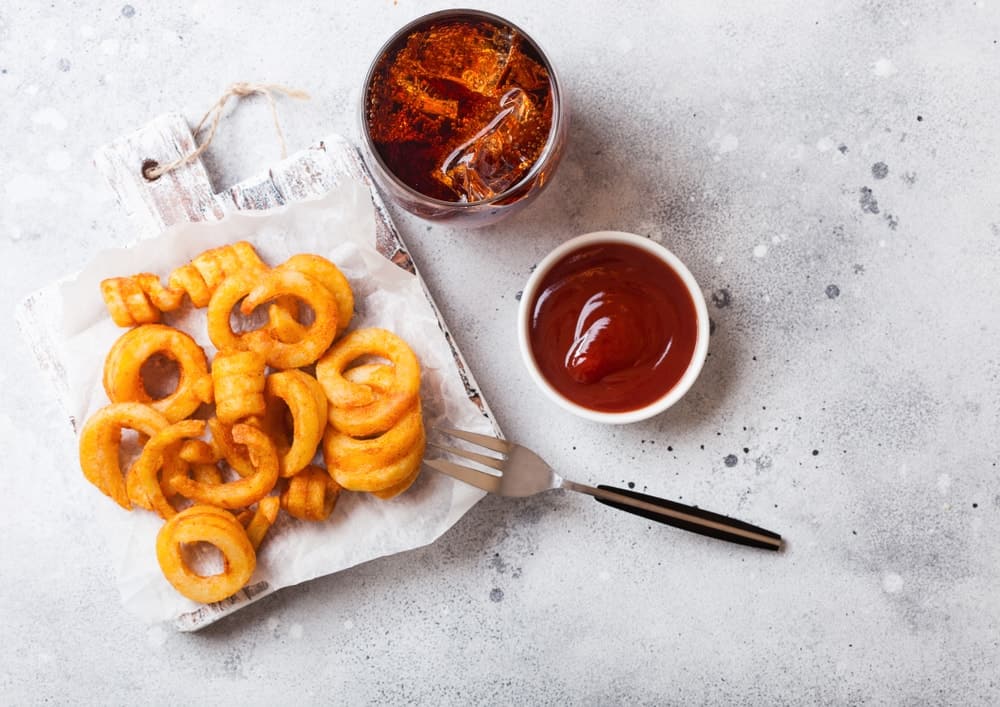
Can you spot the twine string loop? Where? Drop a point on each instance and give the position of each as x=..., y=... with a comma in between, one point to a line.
x=240, y=89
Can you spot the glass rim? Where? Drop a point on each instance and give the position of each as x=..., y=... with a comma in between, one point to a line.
x=550, y=140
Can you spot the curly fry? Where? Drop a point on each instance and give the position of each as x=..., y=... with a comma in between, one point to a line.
x=307, y=404
x=142, y=298
x=258, y=522
x=226, y=448
x=154, y=458
x=245, y=491
x=257, y=289
x=393, y=491
x=204, y=273
x=361, y=409
x=138, y=299
x=209, y=525
x=385, y=465
x=191, y=460
x=285, y=327
x=172, y=466
x=196, y=451
x=343, y=451
x=123, y=370
x=311, y=494
x=375, y=476
x=99, y=442
x=238, y=378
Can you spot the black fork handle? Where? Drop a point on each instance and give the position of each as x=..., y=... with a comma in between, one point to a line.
x=678, y=515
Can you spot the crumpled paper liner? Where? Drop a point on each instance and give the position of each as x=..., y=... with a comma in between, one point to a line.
x=339, y=227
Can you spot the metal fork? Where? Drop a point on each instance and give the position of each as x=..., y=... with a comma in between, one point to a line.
x=524, y=473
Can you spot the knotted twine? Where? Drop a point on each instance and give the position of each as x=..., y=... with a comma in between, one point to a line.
x=239, y=89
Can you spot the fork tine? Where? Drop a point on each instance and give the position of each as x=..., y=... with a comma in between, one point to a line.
x=492, y=462
x=480, y=479
x=497, y=445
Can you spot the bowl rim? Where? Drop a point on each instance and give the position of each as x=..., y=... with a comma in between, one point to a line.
x=551, y=141
x=672, y=261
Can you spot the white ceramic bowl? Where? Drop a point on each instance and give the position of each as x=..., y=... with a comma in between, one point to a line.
x=657, y=251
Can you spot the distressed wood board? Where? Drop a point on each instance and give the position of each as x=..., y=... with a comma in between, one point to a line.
x=186, y=195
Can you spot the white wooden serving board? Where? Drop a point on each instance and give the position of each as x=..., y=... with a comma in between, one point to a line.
x=185, y=195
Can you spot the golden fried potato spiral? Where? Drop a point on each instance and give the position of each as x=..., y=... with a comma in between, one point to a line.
x=207, y=525
x=201, y=276
x=138, y=299
x=259, y=521
x=242, y=492
x=311, y=494
x=238, y=378
x=100, y=439
x=362, y=409
x=123, y=370
x=306, y=403
x=142, y=298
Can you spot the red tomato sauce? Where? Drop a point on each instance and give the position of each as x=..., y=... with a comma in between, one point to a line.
x=613, y=328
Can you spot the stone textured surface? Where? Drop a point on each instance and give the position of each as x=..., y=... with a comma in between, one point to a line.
x=828, y=171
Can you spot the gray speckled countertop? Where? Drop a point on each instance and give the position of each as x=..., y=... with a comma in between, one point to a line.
x=831, y=174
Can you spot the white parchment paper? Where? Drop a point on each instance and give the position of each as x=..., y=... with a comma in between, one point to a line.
x=339, y=227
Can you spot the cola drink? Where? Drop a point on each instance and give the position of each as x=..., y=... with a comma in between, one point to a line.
x=460, y=108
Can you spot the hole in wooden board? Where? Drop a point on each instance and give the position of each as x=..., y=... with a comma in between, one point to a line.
x=147, y=167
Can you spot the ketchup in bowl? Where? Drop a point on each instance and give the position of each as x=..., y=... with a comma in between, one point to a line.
x=612, y=327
